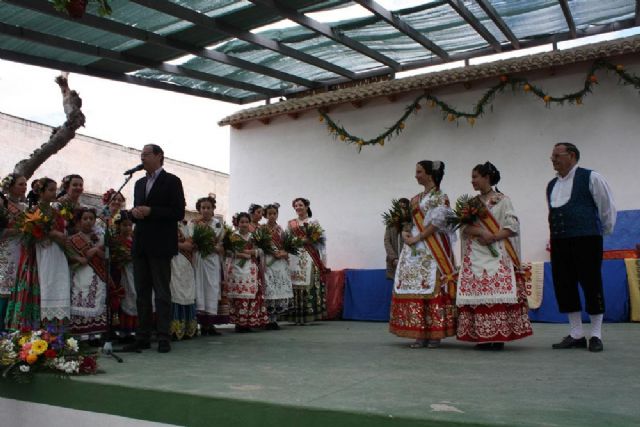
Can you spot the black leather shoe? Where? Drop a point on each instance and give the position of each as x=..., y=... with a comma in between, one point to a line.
x=164, y=346
x=595, y=344
x=136, y=347
x=570, y=342
x=483, y=346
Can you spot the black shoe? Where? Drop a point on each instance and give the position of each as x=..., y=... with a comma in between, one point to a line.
x=164, y=346
x=136, y=347
x=570, y=342
x=595, y=344
x=211, y=330
x=483, y=346
x=497, y=346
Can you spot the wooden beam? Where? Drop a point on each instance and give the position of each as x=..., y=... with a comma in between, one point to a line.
x=564, y=4
x=470, y=18
x=493, y=14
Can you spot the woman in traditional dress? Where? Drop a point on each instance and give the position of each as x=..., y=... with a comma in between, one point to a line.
x=256, y=212
x=244, y=285
x=308, y=270
x=278, y=290
x=72, y=188
x=491, y=299
x=14, y=186
x=208, y=271
x=40, y=295
x=183, y=289
x=121, y=259
x=89, y=277
x=422, y=305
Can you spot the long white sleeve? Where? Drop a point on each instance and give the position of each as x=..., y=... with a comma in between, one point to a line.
x=603, y=197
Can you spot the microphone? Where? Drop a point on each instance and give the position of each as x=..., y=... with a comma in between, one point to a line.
x=134, y=170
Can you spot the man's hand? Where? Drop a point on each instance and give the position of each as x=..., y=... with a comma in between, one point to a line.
x=139, y=212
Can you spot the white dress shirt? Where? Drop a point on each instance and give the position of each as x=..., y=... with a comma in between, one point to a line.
x=151, y=179
x=600, y=190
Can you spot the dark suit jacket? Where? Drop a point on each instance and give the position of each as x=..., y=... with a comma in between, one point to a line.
x=157, y=234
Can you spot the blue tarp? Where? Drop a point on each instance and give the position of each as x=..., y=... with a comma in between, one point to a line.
x=626, y=233
x=616, y=296
x=367, y=295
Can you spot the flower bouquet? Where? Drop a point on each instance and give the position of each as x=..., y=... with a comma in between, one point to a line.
x=22, y=353
x=396, y=217
x=34, y=226
x=291, y=243
x=233, y=242
x=204, y=239
x=120, y=251
x=66, y=210
x=314, y=233
x=261, y=238
x=468, y=211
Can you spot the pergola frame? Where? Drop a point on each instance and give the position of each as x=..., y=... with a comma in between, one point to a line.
x=173, y=48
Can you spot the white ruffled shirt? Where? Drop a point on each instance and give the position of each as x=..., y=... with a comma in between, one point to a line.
x=600, y=190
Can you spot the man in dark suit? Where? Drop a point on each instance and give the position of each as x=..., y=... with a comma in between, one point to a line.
x=158, y=206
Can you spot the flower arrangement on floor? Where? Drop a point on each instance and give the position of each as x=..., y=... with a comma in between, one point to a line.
x=469, y=210
x=204, y=239
x=25, y=352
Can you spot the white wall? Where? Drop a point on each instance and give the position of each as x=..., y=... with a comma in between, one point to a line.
x=349, y=190
x=101, y=163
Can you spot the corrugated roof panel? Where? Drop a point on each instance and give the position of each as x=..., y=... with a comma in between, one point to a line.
x=591, y=12
x=532, y=18
x=38, y=50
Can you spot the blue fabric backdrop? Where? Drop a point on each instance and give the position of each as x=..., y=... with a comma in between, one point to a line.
x=616, y=296
x=367, y=295
x=626, y=233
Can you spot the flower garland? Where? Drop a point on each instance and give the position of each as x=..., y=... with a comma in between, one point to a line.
x=450, y=114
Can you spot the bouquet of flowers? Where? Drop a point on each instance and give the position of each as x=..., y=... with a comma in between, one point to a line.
x=34, y=225
x=120, y=251
x=468, y=211
x=291, y=243
x=66, y=210
x=24, y=352
x=314, y=233
x=396, y=217
x=232, y=242
x=204, y=238
x=262, y=239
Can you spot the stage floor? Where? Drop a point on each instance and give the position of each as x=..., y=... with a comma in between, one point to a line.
x=356, y=373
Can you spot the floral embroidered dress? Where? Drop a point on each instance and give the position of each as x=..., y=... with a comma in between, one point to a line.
x=278, y=290
x=183, y=292
x=491, y=299
x=307, y=279
x=128, y=309
x=245, y=290
x=422, y=305
x=88, y=288
x=211, y=307
x=10, y=246
x=55, y=278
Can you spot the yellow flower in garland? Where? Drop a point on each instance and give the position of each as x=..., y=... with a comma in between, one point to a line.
x=39, y=346
x=451, y=117
x=619, y=67
x=381, y=142
x=471, y=120
x=321, y=119
x=24, y=339
x=401, y=125
x=342, y=137
x=547, y=99
x=527, y=87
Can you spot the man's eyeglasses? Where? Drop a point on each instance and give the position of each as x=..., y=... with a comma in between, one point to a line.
x=557, y=156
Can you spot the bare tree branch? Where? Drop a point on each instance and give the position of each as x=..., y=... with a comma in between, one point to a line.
x=61, y=135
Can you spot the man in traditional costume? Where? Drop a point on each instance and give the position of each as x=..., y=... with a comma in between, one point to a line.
x=581, y=211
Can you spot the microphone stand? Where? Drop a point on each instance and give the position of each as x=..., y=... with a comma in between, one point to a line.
x=107, y=348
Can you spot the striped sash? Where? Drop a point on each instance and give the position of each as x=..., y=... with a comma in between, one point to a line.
x=313, y=252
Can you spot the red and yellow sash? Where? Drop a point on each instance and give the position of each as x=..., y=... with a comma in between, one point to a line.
x=440, y=248
x=494, y=227
x=276, y=237
x=313, y=252
x=81, y=245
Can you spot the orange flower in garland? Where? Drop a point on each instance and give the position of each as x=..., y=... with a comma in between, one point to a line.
x=593, y=79
x=527, y=87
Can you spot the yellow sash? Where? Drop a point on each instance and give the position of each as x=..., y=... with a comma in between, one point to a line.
x=493, y=226
x=441, y=251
